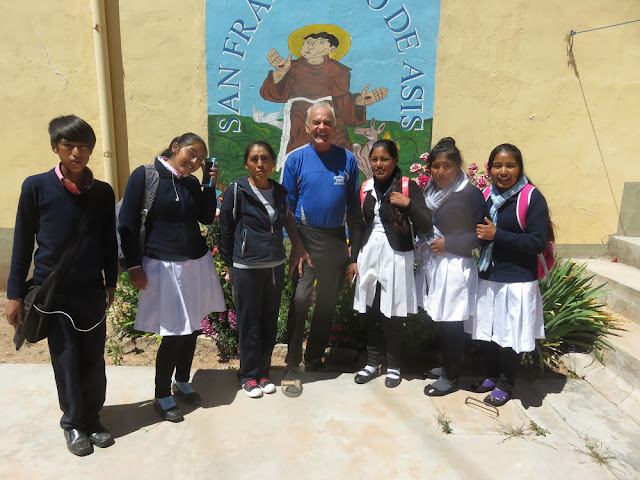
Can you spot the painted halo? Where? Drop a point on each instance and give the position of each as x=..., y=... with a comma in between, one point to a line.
x=296, y=39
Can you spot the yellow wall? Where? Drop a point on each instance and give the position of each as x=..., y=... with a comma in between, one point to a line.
x=503, y=75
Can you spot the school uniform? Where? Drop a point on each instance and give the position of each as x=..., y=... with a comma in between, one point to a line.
x=452, y=277
x=182, y=283
x=447, y=282
x=50, y=213
x=385, y=287
x=251, y=245
x=509, y=308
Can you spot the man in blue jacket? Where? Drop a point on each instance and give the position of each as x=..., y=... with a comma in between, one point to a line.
x=322, y=181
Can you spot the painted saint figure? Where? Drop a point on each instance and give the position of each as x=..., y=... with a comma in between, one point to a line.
x=315, y=76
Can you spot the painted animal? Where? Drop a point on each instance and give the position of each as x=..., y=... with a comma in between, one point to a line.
x=361, y=152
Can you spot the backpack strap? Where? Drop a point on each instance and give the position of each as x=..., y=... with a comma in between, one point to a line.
x=151, y=180
x=366, y=186
x=235, y=201
x=405, y=186
x=522, y=205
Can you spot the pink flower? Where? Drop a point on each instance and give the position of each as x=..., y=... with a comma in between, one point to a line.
x=339, y=327
x=424, y=157
x=422, y=180
x=416, y=167
x=333, y=338
x=482, y=182
x=232, y=319
x=487, y=175
x=472, y=168
x=486, y=165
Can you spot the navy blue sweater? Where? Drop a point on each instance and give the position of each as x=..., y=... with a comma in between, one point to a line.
x=457, y=219
x=50, y=214
x=251, y=237
x=514, y=251
x=172, y=229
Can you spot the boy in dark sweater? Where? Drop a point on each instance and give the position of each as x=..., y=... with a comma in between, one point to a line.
x=50, y=209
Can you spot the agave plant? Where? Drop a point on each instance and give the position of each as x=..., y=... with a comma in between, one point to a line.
x=574, y=318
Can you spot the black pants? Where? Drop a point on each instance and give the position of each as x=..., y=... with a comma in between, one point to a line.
x=501, y=364
x=257, y=297
x=175, y=353
x=452, y=339
x=383, y=333
x=78, y=357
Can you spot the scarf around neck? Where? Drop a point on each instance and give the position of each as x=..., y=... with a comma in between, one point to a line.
x=498, y=199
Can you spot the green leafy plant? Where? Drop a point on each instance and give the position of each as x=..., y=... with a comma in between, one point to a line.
x=443, y=422
x=573, y=316
x=537, y=429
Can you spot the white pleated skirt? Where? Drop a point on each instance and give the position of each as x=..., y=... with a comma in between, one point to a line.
x=509, y=314
x=178, y=295
x=379, y=263
x=452, y=286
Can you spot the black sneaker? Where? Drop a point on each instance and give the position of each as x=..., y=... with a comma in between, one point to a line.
x=252, y=389
x=267, y=386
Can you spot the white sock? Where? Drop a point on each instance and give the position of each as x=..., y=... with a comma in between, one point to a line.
x=368, y=370
x=393, y=373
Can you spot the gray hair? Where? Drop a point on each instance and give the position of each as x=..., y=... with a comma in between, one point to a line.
x=321, y=104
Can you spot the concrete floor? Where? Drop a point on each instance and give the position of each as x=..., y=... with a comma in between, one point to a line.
x=336, y=429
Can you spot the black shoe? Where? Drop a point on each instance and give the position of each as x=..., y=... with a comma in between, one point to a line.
x=486, y=386
x=99, y=435
x=191, y=398
x=172, y=415
x=431, y=391
x=497, y=398
x=363, y=376
x=77, y=442
x=315, y=366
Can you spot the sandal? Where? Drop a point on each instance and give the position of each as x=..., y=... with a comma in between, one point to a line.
x=291, y=387
x=486, y=386
x=497, y=398
x=431, y=391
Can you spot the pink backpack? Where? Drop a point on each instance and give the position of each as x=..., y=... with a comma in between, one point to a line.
x=546, y=259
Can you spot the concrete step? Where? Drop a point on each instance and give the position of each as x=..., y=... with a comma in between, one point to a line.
x=626, y=249
x=622, y=293
x=618, y=379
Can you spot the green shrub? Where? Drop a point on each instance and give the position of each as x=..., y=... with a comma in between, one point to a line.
x=573, y=316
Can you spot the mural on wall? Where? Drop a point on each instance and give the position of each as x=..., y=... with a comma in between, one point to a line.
x=268, y=62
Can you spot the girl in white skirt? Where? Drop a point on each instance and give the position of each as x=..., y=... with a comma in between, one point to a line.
x=509, y=309
x=445, y=258
x=176, y=272
x=382, y=258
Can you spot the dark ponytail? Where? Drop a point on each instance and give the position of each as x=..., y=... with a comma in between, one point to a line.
x=184, y=140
